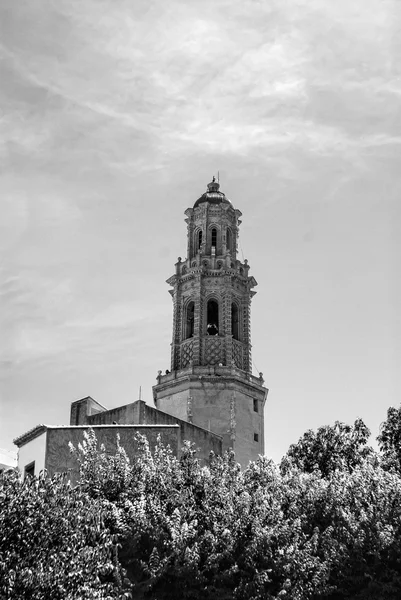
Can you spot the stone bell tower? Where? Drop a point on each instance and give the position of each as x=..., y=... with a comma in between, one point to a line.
x=211, y=382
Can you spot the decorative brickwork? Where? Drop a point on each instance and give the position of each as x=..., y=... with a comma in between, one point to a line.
x=213, y=350
x=238, y=355
x=187, y=353
x=189, y=409
x=233, y=424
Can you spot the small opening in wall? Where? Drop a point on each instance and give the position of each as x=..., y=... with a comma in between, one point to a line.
x=212, y=318
x=190, y=320
x=255, y=437
x=214, y=237
x=199, y=239
x=29, y=470
x=255, y=405
x=234, y=321
x=228, y=240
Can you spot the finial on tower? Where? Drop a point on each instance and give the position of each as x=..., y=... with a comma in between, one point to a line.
x=212, y=194
x=213, y=186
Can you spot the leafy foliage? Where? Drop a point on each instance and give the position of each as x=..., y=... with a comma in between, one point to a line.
x=297, y=532
x=325, y=523
x=334, y=447
x=54, y=542
x=390, y=439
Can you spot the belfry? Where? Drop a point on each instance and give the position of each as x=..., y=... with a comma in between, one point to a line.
x=211, y=383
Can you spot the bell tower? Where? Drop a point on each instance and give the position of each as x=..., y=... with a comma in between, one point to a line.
x=211, y=382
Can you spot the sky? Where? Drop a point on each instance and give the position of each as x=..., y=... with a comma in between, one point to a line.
x=115, y=114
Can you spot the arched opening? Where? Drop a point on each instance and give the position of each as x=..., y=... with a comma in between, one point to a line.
x=234, y=321
x=199, y=239
x=190, y=319
x=214, y=237
x=229, y=240
x=212, y=318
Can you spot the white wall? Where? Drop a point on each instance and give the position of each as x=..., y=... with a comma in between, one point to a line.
x=35, y=450
x=8, y=459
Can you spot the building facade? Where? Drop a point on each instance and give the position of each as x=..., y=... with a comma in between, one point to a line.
x=47, y=446
x=209, y=396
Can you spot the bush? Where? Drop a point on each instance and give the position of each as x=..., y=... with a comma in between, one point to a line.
x=54, y=542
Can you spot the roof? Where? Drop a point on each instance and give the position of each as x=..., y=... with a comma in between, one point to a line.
x=213, y=195
x=39, y=429
x=29, y=435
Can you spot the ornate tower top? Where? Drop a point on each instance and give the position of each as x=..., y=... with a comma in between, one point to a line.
x=212, y=195
x=212, y=288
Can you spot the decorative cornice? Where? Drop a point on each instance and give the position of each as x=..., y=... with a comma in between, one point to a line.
x=210, y=374
x=192, y=271
x=30, y=435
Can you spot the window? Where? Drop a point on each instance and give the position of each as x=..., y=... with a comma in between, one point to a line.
x=214, y=237
x=255, y=405
x=228, y=240
x=199, y=239
x=255, y=437
x=234, y=321
x=190, y=319
x=212, y=318
x=29, y=470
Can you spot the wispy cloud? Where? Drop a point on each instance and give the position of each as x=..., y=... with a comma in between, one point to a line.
x=180, y=77
x=121, y=315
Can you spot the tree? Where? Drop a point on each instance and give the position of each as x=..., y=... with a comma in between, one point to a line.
x=54, y=542
x=360, y=513
x=389, y=439
x=334, y=447
x=177, y=529
x=266, y=532
x=199, y=532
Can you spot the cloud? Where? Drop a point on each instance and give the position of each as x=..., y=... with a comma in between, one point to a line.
x=45, y=319
x=122, y=315
x=179, y=76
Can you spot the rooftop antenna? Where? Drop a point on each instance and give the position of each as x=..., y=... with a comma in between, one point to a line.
x=140, y=392
x=218, y=176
